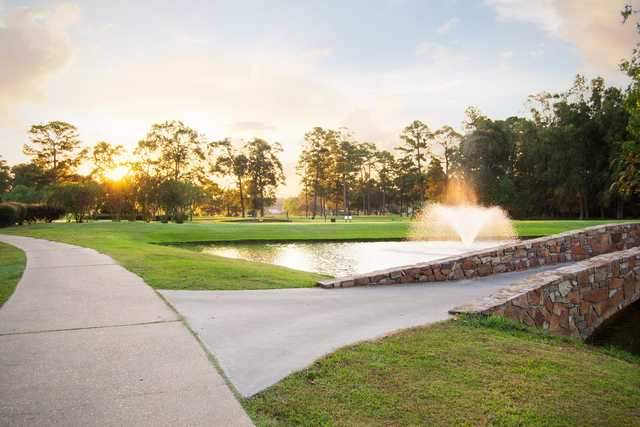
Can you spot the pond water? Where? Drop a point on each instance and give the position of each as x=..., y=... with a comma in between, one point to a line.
x=622, y=330
x=344, y=258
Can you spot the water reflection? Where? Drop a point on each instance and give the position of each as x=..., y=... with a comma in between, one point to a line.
x=342, y=259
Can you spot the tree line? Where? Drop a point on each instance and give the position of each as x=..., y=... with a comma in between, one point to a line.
x=172, y=174
x=577, y=155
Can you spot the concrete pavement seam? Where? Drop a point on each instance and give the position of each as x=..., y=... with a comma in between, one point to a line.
x=208, y=353
x=123, y=325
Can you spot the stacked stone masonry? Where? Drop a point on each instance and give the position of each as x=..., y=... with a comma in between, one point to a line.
x=570, y=246
x=572, y=300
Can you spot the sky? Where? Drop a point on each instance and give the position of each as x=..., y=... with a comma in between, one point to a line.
x=276, y=69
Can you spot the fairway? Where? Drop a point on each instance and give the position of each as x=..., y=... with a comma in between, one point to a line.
x=152, y=250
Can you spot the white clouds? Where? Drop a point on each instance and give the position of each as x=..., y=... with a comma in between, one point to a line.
x=439, y=54
x=540, y=12
x=592, y=26
x=33, y=45
x=448, y=25
x=506, y=55
x=249, y=126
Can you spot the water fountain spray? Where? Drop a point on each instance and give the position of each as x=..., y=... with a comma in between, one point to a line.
x=459, y=217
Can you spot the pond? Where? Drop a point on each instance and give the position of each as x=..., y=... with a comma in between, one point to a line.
x=622, y=330
x=343, y=258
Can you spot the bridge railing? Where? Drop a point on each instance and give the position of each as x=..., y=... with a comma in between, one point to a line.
x=569, y=246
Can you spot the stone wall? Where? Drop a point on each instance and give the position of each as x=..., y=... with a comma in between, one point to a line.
x=570, y=246
x=572, y=300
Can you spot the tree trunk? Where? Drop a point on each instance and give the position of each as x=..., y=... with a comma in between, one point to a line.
x=384, y=202
x=314, y=208
x=619, y=208
x=241, y=196
x=345, y=203
x=261, y=203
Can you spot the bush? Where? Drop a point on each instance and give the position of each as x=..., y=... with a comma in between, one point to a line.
x=17, y=213
x=35, y=213
x=21, y=212
x=8, y=215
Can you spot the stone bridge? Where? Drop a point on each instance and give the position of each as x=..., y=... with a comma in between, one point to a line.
x=573, y=300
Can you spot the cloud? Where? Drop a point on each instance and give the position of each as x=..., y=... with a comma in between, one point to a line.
x=593, y=26
x=33, y=45
x=250, y=126
x=506, y=55
x=448, y=25
x=543, y=13
x=439, y=54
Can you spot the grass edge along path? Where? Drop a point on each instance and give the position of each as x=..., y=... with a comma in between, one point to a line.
x=12, y=264
x=466, y=372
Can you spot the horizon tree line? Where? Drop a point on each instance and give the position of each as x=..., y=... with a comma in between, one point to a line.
x=576, y=156
x=171, y=174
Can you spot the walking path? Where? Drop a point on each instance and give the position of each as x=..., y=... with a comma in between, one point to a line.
x=260, y=337
x=85, y=342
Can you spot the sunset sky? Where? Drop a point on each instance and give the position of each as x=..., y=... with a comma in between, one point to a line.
x=274, y=69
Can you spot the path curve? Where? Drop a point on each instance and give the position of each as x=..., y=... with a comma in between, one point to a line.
x=85, y=342
x=260, y=337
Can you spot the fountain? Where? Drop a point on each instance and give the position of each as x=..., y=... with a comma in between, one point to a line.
x=459, y=217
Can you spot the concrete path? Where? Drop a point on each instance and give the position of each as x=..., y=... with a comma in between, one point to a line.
x=85, y=342
x=259, y=337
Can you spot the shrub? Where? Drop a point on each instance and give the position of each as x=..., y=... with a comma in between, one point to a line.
x=21, y=212
x=35, y=213
x=8, y=215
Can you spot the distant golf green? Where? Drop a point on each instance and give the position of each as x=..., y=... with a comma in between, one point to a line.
x=142, y=248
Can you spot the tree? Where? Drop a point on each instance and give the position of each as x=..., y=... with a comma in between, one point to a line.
x=265, y=172
x=345, y=159
x=449, y=140
x=179, y=150
x=385, y=167
x=29, y=175
x=77, y=198
x=146, y=178
x=105, y=157
x=436, y=180
x=178, y=199
x=233, y=162
x=626, y=164
x=5, y=177
x=23, y=194
x=416, y=146
x=55, y=149
x=314, y=162
x=366, y=156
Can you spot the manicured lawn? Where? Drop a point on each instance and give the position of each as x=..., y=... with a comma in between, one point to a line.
x=142, y=249
x=468, y=372
x=12, y=262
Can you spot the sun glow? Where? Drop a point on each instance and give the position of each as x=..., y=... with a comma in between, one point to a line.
x=117, y=174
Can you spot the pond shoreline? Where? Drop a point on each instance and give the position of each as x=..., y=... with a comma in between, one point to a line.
x=282, y=241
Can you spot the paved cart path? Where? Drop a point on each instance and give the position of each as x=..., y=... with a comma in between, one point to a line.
x=85, y=342
x=259, y=337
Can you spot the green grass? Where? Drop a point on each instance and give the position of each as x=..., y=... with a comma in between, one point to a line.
x=143, y=248
x=469, y=372
x=12, y=262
